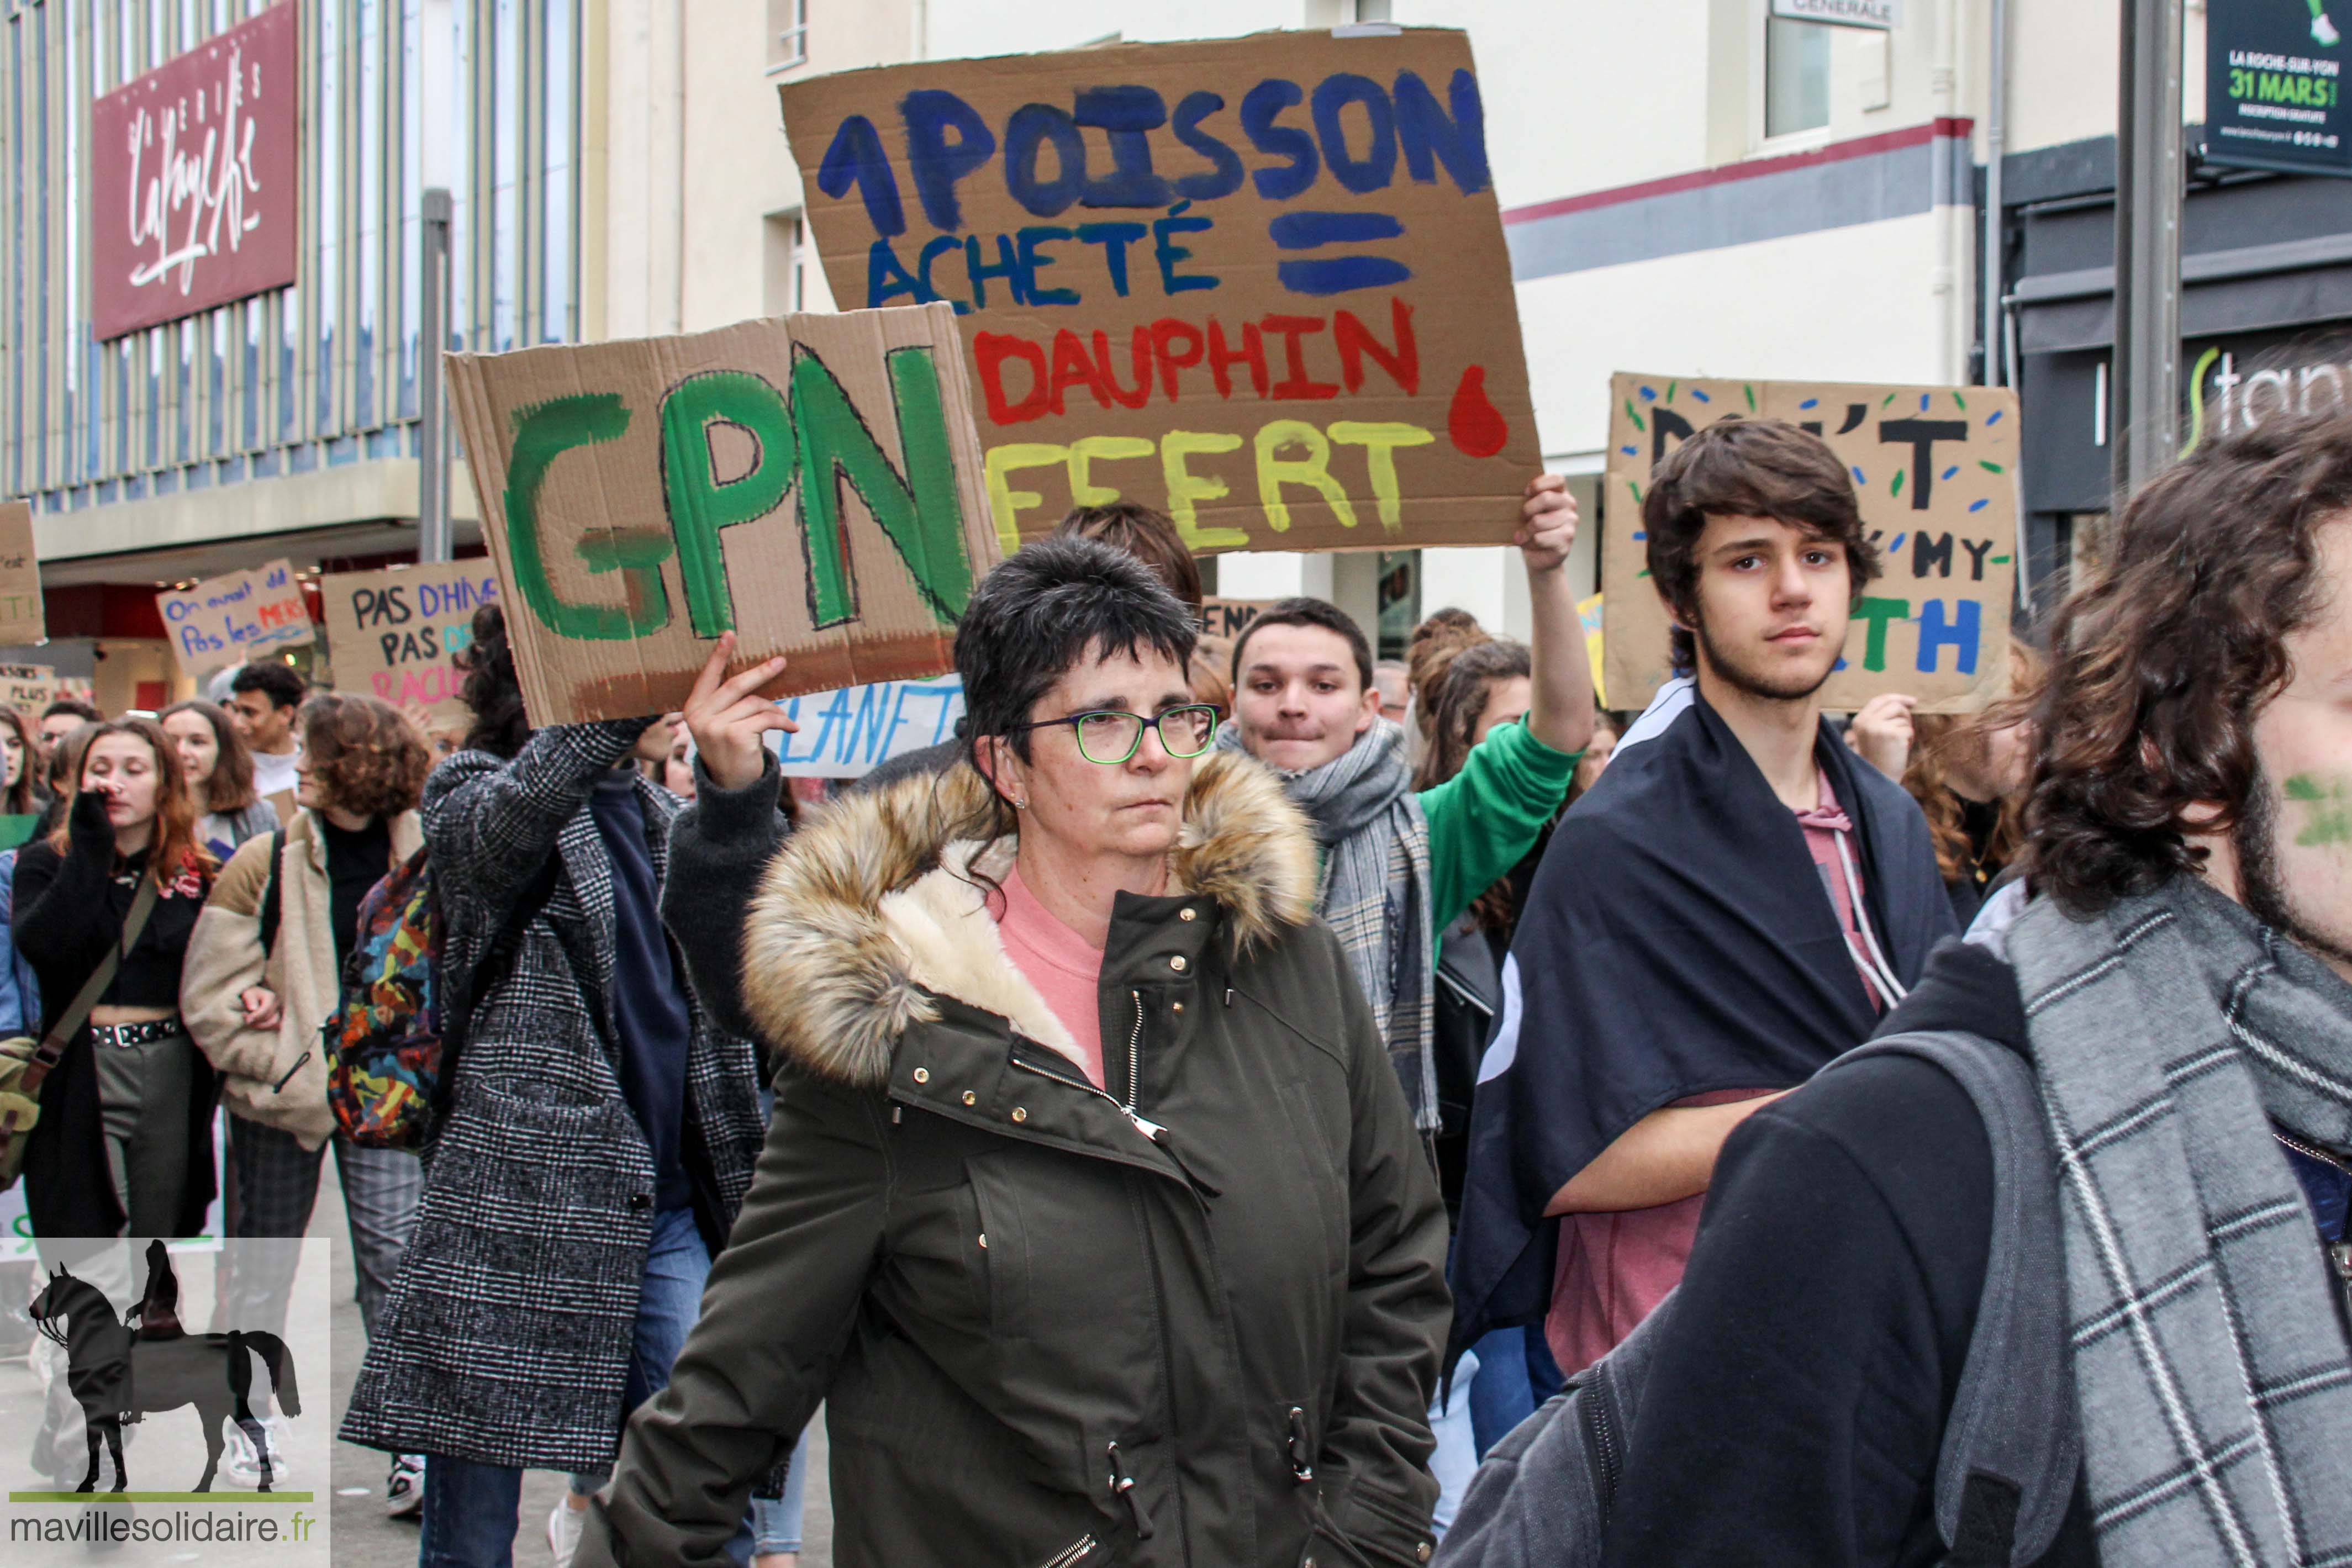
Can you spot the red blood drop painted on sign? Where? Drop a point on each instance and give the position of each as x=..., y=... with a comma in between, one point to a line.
x=1474, y=422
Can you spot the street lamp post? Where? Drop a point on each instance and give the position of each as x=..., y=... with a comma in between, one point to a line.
x=2149, y=183
x=435, y=541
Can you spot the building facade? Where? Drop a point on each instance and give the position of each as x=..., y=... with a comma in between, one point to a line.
x=280, y=422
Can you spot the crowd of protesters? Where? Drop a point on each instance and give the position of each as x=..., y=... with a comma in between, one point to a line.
x=1117, y=1118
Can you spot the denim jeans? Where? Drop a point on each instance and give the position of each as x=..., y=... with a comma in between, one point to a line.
x=1516, y=1375
x=470, y=1508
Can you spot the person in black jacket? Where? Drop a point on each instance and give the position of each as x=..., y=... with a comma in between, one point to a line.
x=125, y=1134
x=2182, y=984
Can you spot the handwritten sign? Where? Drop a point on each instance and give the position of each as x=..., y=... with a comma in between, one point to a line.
x=395, y=634
x=27, y=688
x=848, y=733
x=22, y=622
x=194, y=178
x=811, y=483
x=1222, y=620
x=226, y=620
x=1935, y=470
x=1259, y=283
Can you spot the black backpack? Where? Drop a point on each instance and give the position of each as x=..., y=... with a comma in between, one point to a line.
x=2012, y=1443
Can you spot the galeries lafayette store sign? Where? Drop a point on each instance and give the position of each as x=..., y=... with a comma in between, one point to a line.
x=196, y=179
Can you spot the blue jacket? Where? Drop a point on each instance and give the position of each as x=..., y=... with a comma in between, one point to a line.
x=20, y=993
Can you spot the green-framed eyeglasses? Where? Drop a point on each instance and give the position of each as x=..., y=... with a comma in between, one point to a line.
x=1110, y=737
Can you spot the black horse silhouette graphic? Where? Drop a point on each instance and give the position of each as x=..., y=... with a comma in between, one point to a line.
x=119, y=1373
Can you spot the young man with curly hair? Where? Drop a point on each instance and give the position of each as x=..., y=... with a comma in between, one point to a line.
x=2183, y=988
x=1731, y=906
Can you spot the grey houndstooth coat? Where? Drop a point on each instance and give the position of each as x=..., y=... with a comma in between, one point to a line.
x=507, y=1337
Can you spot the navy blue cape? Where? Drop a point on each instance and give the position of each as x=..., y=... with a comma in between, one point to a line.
x=1677, y=940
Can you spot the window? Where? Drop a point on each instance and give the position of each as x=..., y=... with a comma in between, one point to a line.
x=786, y=283
x=1796, y=76
x=790, y=20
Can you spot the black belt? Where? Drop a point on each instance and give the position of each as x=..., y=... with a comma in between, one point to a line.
x=147, y=1033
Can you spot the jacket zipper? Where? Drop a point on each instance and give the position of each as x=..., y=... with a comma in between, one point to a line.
x=1144, y=1125
x=1073, y=1555
x=1602, y=1437
x=1134, y=1055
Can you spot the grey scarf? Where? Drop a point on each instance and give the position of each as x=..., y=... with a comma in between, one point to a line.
x=2210, y=1367
x=1375, y=894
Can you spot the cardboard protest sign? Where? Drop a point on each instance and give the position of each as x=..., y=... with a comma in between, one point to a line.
x=395, y=634
x=847, y=734
x=1935, y=470
x=1590, y=613
x=21, y=620
x=1222, y=620
x=231, y=619
x=27, y=688
x=1258, y=283
x=811, y=483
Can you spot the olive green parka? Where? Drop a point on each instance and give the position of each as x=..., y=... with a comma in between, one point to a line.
x=1189, y=1320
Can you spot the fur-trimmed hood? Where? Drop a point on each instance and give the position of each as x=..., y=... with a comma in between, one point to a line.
x=864, y=916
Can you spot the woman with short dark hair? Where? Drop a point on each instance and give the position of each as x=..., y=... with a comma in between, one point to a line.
x=219, y=771
x=1091, y=1205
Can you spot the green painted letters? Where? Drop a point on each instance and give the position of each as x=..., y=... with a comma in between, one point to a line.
x=920, y=511
x=1878, y=612
x=700, y=504
x=543, y=432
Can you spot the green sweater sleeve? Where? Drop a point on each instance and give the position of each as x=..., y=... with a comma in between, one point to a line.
x=1484, y=819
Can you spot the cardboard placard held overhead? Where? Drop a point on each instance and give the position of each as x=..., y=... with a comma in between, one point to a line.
x=21, y=620
x=811, y=483
x=1935, y=472
x=236, y=617
x=27, y=688
x=395, y=634
x=1259, y=283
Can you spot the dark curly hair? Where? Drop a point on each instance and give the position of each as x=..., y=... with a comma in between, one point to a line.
x=1745, y=468
x=367, y=759
x=492, y=692
x=2160, y=667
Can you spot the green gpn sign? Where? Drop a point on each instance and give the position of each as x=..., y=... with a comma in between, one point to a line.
x=810, y=441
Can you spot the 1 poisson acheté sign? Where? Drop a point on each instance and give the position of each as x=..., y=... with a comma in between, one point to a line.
x=1258, y=283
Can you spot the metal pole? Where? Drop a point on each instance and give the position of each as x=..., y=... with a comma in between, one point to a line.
x=2148, y=183
x=435, y=541
x=1996, y=220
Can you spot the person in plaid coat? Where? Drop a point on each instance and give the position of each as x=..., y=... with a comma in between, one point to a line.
x=571, y=1206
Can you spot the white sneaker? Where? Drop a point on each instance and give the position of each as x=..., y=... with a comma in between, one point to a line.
x=240, y=1467
x=404, y=1489
x=2323, y=32
x=563, y=1527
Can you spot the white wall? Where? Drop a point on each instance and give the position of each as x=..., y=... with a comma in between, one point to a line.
x=2064, y=60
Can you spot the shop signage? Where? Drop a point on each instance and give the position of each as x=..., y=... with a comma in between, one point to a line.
x=1259, y=283
x=810, y=483
x=194, y=179
x=21, y=619
x=1881, y=14
x=847, y=734
x=2275, y=86
x=395, y=634
x=1935, y=470
x=231, y=619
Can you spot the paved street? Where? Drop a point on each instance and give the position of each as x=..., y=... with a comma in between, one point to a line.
x=364, y=1538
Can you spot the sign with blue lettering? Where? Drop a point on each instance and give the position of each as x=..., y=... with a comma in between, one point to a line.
x=1258, y=283
x=2274, y=85
x=1934, y=475
x=230, y=620
x=845, y=734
